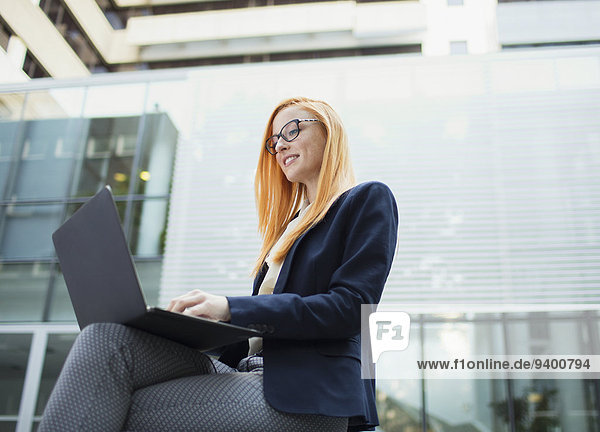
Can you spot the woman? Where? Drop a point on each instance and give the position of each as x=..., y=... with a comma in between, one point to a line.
x=327, y=249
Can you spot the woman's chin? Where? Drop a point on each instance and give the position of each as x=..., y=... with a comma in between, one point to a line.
x=291, y=178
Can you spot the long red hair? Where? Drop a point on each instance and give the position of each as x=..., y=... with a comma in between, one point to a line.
x=278, y=199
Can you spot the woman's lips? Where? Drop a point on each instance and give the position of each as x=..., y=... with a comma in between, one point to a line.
x=289, y=159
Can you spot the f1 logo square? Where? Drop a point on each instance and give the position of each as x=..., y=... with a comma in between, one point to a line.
x=389, y=331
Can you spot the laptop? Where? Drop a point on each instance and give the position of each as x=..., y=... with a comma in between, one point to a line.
x=104, y=286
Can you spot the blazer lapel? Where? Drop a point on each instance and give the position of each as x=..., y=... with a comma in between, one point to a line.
x=259, y=278
x=285, y=268
x=287, y=263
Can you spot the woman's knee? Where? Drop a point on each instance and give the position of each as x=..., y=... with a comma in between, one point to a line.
x=103, y=334
x=101, y=329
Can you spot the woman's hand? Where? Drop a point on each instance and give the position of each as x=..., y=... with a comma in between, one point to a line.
x=202, y=304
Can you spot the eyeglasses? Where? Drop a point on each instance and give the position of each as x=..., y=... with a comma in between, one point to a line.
x=289, y=132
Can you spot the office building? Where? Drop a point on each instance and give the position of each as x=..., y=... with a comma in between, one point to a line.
x=493, y=158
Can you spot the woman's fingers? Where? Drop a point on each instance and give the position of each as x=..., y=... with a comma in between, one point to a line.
x=199, y=303
x=181, y=303
x=200, y=310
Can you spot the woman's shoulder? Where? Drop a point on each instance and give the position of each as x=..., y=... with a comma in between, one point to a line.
x=375, y=188
x=371, y=185
x=367, y=193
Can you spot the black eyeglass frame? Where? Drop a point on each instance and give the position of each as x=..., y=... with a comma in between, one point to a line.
x=271, y=149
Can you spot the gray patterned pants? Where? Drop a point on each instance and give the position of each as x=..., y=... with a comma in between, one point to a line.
x=118, y=378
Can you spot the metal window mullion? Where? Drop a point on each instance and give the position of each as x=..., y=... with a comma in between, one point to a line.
x=29, y=328
x=594, y=342
x=33, y=375
x=78, y=200
x=424, y=413
x=509, y=384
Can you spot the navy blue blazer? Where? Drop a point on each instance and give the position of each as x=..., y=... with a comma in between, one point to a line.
x=311, y=345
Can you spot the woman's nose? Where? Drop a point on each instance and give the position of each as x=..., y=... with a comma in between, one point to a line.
x=281, y=145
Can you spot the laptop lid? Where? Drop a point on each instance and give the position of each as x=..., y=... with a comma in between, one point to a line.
x=97, y=265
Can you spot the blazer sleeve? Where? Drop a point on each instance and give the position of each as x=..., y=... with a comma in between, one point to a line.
x=371, y=232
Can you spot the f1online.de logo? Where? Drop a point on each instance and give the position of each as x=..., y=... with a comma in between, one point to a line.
x=389, y=331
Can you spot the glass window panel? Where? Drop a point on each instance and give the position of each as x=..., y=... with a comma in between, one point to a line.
x=455, y=339
x=537, y=406
x=57, y=350
x=467, y=404
x=149, y=225
x=560, y=404
x=26, y=230
x=61, y=308
x=8, y=426
x=399, y=401
x=158, y=152
x=121, y=206
x=11, y=106
x=543, y=333
x=172, y=98
x=47, y=143
x=463, y=404
x=59, y=103
x=399, y=405
x=14, y=353
x=149, y=274
x=115, y=100
x=49, y=150
x=10, y=109
x=23, y=288
x=109, y=152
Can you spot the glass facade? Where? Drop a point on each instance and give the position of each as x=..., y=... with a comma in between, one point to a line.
x=15, y=351
x=481, y=404
x=515, y=404
x=58, y=147
x=493, y=161
x=404, y=405
x=57, y=349
x=54, y=156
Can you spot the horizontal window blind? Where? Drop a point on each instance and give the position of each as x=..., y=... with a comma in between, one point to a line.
x=497, y=182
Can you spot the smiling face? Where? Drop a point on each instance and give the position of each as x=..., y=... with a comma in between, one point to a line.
x=301, y=159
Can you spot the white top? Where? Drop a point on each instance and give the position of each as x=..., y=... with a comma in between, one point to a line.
x=268, y=283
